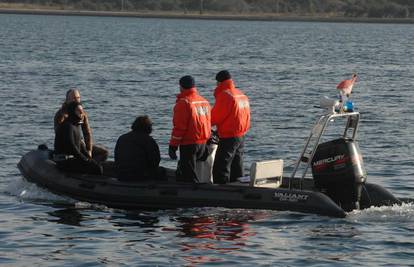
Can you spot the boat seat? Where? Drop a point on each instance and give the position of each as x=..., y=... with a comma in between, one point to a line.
x=266, y=173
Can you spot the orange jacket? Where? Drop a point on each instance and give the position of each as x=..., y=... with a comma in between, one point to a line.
x=191, y=120
x=231, y=112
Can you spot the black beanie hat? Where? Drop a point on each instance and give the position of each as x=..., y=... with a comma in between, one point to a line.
x=223, y=75
x=187, y=82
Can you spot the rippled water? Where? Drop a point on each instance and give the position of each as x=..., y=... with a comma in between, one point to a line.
x=128, y=66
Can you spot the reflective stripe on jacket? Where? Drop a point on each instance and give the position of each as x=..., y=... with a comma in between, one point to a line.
x=231, y=112
x=191, y=119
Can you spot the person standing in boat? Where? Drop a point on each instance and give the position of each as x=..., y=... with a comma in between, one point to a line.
x=231, y=116
x=98, y=153
x=70, y=152
x=191, y=129
x=137, y=155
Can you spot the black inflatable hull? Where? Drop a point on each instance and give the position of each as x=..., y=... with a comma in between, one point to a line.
x=37, y=168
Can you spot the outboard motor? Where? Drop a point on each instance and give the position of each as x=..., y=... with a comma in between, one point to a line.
x=338, y=171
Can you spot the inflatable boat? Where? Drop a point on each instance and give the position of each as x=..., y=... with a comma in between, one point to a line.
x=337, y=183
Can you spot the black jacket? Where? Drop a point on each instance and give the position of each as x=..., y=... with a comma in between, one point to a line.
x=68, y=141
x=137, y=156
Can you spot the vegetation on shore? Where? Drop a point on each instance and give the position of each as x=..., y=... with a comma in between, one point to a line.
x=321, y=8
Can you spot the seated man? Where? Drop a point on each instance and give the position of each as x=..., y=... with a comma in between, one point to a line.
x=137, y=155
x=70, y=153
x=98, y=153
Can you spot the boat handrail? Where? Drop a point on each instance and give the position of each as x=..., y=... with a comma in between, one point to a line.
x=315, y=135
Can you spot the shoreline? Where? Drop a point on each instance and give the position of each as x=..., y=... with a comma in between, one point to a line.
x=176, y=15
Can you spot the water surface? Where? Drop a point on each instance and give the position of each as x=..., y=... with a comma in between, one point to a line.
x=126, y=67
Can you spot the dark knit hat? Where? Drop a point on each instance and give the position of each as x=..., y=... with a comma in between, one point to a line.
x=187, y=82
x=223, y=75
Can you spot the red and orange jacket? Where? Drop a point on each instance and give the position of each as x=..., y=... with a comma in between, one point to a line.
x=231, y=112
x=191, y=120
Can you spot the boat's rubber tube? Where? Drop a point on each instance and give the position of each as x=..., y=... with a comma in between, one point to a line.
x=376, y=195
x=108, y=191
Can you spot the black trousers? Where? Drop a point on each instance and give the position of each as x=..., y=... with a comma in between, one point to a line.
x=80, y=166
x=228, y=163
x=189, y=154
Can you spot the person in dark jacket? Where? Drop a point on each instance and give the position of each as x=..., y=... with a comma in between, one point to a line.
x=137, y=155
x=70, y=152
x=97, y=152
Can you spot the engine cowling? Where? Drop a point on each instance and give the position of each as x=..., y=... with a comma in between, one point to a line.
x=338, y=171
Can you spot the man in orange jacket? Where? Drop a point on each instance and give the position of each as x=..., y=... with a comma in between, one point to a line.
x=231, y=115
x=191, y=129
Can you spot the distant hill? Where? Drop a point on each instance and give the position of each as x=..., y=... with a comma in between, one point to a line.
x=321, y=8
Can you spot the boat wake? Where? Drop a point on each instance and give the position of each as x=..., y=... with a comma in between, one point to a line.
x=401, y=213
x=87, y=205
x=29, y=191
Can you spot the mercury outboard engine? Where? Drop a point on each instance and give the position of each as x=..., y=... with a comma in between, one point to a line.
x=338, y=171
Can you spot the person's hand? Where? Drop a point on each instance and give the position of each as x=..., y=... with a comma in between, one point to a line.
x=172, y=152
x=90, y=153
x=214, y=138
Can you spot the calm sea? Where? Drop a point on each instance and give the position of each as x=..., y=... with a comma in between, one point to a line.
x=126, y=67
